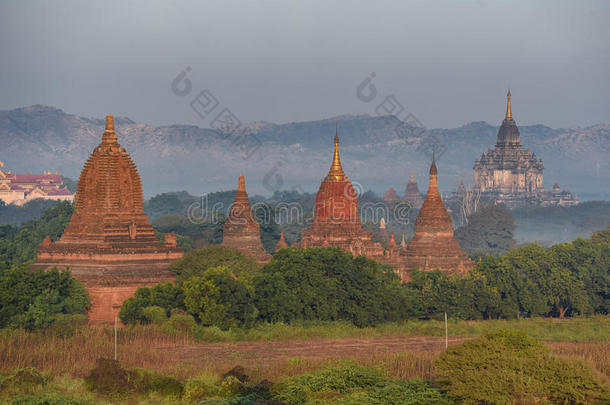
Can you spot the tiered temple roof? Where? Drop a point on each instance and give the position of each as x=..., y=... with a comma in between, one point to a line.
x=433, y=245
x=241, y=230
x=336, y=221
x=109, y=244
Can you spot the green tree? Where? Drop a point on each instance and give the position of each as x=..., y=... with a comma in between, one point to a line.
x=164, y=295
x=219, y=298
x=32, y=298
x=196, y=262
x=329, y=284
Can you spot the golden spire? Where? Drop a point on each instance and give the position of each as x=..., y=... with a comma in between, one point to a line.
x=336, y=170
x=411, y=178
x=509, y=113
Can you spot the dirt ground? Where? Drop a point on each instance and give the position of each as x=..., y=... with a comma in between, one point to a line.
x=318, y=349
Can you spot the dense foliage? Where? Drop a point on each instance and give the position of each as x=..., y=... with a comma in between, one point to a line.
x=354, y=384
x=507, y=367
x=221, y=287
x=195, y=263
x=35, y=299
x=19, y=244
x=565, y=279
x=489, y=230
x=329, y=284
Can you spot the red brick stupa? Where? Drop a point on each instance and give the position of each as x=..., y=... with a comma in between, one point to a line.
x=241, y=230
x=336, y=221
x=109, y=244
x=281, y=243
x=433, y=245
x=412, y=194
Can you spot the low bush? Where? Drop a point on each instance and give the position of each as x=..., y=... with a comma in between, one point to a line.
x=354, y=384
x=23, y=381
x=48, y=399
x=512, y=367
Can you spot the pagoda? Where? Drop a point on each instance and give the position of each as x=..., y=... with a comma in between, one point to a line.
x=336, y=221
x=509, y=174
x=109, y=245
x=433, y=245
x=412, y=194
x=281, y=243
x=241, y=230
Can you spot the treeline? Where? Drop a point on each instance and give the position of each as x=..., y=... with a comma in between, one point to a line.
x=220, y=287
x=18, y=244
x=298, y=284
x=35, y=299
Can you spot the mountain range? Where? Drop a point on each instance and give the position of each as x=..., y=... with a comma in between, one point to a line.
x=377, y=152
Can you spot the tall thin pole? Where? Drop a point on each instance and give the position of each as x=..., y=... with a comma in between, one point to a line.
x=446, y=332
x=115, y=338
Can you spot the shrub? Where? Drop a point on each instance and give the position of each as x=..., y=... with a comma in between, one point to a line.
x=339, y=379
x=144, y=381
x=354, y=384
x=200, y=388
x=511, y=367
x=48, y=399
x=109, y=378
x=179, y=323
x=23, y=381
x=154, y=314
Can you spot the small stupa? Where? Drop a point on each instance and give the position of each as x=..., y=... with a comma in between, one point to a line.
x=241, y=230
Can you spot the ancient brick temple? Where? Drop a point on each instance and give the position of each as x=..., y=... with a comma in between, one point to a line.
x=412, y=194
x=433, y=245
x=336, y=221
x=241, y=230
x=109, y=245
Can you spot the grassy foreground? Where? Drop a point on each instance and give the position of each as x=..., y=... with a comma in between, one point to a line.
x=176, y=352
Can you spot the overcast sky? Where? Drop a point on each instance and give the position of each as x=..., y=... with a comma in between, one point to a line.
x=447, y=62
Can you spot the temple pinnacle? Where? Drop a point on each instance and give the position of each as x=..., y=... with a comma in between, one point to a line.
x=241, y=183
x=109, y=136
x=109, y=123
x=335, y=168
x=433, y=169
x=509, y=113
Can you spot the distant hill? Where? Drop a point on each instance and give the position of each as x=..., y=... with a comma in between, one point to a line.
x=200, y=160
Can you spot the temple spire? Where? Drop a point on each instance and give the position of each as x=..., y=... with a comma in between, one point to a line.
x=509, y=113
x=433, y=169
x=411, y=178
x=241, y=183
x=109, y=135
x=336, y=171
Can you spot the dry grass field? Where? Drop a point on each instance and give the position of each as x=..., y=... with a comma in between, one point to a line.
x=398, y=354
